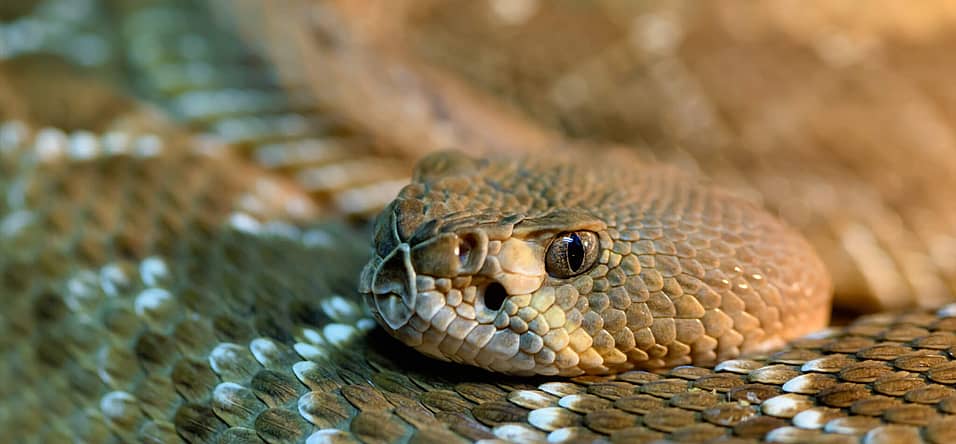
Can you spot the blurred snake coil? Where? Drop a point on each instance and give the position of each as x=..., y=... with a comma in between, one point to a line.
x=187, y=191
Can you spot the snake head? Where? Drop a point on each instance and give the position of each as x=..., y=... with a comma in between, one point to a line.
x=564, y=267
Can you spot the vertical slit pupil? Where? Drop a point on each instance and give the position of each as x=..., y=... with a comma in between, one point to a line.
x=495, y=296
x=575, y=249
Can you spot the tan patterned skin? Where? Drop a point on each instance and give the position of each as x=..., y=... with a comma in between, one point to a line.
x=683, y=273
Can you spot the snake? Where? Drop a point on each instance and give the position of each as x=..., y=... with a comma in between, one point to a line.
x=186, y=259
x=566, y=268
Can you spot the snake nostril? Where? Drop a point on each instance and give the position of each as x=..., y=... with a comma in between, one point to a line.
x=494, y=296
x=463, y=250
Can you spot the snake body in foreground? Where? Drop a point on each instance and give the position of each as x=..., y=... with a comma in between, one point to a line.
x=157, y=287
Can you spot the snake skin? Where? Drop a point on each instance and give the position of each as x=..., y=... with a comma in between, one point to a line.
x=682, y=273
x=184, y=273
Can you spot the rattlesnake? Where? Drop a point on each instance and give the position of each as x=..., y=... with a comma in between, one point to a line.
x=580, y=265
x=160, y=286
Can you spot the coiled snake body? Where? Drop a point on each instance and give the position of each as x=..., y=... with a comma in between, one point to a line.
x=161, y=286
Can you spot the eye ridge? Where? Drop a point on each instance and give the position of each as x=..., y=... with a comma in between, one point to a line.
x=571, y=253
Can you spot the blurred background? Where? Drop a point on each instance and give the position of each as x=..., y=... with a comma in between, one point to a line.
x=838, y=116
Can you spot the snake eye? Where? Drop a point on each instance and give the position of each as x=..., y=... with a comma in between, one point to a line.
x=571, y=253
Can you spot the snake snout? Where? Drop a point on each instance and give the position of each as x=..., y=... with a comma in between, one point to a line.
x=392, y=288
